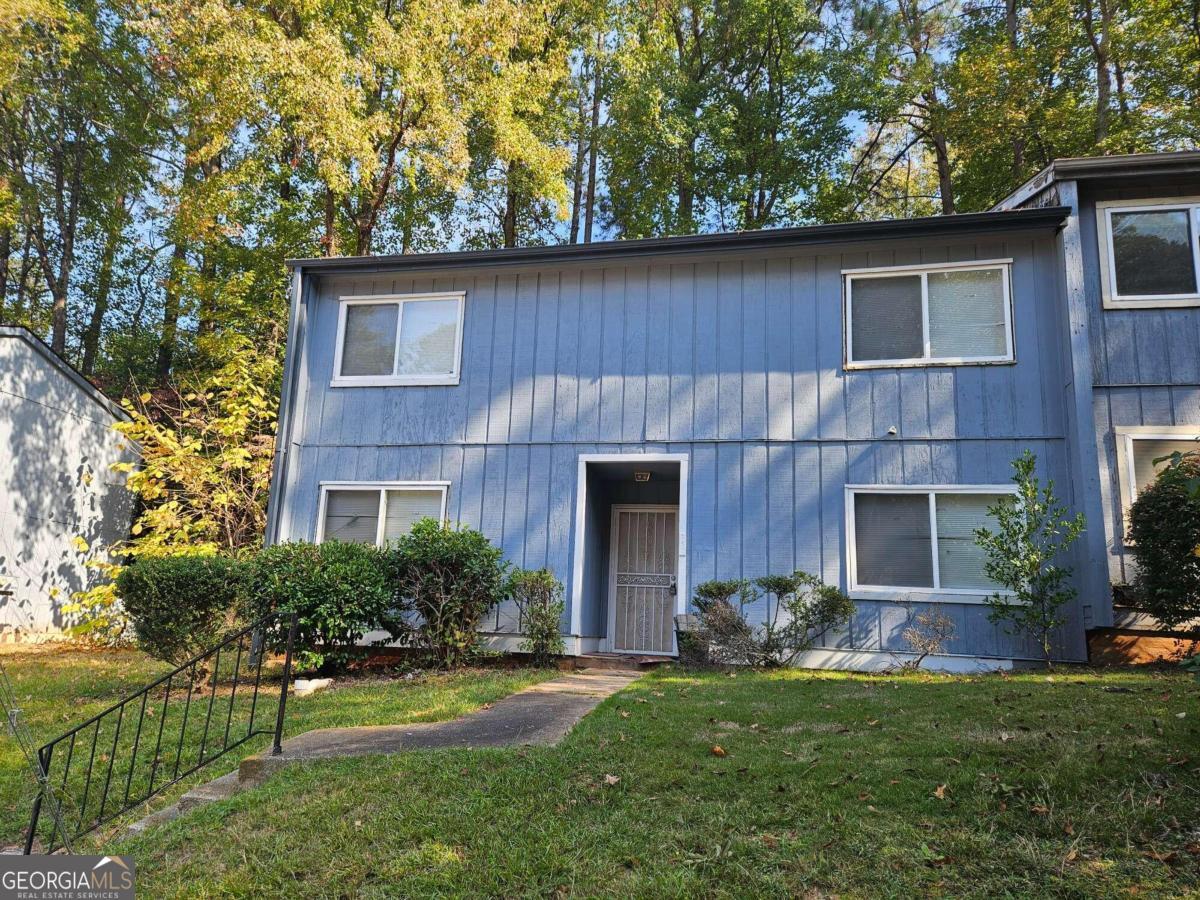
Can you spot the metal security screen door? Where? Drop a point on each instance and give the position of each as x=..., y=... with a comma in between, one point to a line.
x=643, y=557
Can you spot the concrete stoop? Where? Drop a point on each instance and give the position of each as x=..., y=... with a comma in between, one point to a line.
x=539, y=715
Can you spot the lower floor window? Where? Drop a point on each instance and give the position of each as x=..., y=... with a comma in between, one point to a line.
x=921, y=539
x=377, y=513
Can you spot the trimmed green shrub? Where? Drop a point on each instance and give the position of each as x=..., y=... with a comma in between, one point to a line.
x=340, y=591
x=805, y=608
x=451, y=578
x=539, y=596
x=1164, y=526
x=181, y=605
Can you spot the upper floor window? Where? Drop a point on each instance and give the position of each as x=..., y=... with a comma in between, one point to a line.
x=953, y=314
x=375, y=513
x=919, y=539
x=1150, y=252
x=399, y=339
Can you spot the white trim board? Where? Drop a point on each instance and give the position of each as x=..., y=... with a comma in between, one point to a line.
x=884, y=660
x=581, y=521
x=1108, y=274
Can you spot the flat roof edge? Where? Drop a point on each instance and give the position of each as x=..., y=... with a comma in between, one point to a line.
x=929, y=226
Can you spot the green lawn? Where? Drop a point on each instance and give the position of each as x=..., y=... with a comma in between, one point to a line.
x=1080, y=784
x=60, y=687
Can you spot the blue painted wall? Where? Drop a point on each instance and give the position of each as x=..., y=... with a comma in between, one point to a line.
x=1145, y=362
x=735, y=360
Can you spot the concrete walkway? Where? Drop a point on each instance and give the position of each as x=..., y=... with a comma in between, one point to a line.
x=539, y=715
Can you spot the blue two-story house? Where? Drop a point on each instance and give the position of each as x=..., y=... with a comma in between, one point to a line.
x=641, y=416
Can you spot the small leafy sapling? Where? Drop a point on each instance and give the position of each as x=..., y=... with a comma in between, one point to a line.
x=1032, y=531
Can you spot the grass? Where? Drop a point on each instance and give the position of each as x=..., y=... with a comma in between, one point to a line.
x=60, y=687
x=1077, y=784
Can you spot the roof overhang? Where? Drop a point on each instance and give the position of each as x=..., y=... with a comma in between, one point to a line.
x=1096, y=168
x=766, y=239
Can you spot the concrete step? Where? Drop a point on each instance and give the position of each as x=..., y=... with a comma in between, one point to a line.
x=218, y=789
x=621, y=662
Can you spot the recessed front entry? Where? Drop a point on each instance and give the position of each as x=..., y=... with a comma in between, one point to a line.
x=643, y=557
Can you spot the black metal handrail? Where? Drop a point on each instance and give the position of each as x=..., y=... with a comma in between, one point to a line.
x=84, y=794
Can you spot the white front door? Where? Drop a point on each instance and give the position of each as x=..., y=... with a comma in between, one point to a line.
x=643, y=561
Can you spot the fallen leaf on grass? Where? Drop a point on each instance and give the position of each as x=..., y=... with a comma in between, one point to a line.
x=1039, y=809
x=612, y=779
x=718, y=750
x=1169, y=857
x=1068, y=828
x=940, y=792
x=624, y=714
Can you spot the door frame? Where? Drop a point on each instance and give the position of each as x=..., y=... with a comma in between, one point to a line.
x=581, y=523
x=609, y=642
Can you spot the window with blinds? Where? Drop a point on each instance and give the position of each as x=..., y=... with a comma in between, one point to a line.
x=377, y=514
x=916, y=539
x=935, y=315
x=1145, y=449
x=408, y=339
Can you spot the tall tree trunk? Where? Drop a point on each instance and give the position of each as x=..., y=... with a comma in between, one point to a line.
x=945, y=181
x=5, y=253
x=593, y=148
x=91, y=336
x=509, y=224
x=23, y=275
x=171, y=303
x=685, y=181
x=577, y=180
x=1099, y=44
x=329, y=242
x=1018, y=142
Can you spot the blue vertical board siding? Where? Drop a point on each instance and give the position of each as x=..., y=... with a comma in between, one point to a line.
x=735, y=362
x=1146, y=369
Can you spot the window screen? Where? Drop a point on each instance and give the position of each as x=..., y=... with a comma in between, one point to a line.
x=428, y=334
x=896, y=546
x=413, y=340
x=892, y=544
x=1152, y=252
x=960, y=559
x=406, y=508
x=352, y=516
x=370, y=339
x=951, y=315
x=886, y=318
x=1146, y=451
x=966, y=313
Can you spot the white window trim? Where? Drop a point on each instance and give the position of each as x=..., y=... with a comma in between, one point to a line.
x=400, y=300
x=920, y=594
x=849, y=276
x=383, y=487
x=1108, y=272
x=1127, y=473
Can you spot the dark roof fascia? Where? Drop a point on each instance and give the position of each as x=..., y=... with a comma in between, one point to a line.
x=80, y=380
x=1091, y=168
x=930, y=226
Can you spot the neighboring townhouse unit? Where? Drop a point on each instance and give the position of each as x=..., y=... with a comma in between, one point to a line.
x=641, y=416
x=1131, y=269
x=59, y=498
